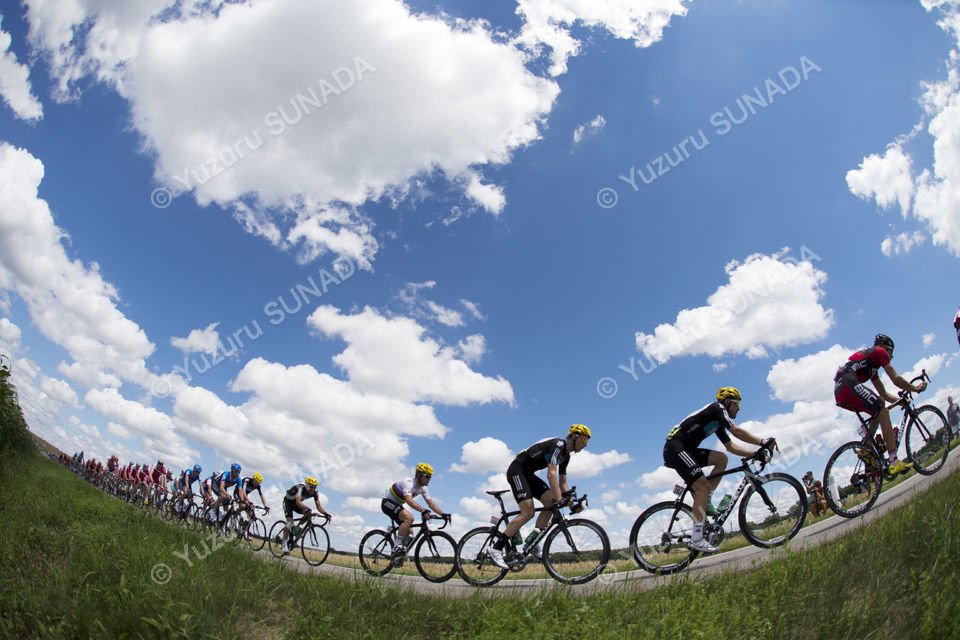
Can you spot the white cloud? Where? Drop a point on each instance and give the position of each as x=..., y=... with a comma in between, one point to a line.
x=661, y=477
x=71, y=304
x=928, y=339
x=484, y=456
x=548, y=23
x=589, y=130
x=392, y=357
x=59, y=391
x=720, y=366
x=473, y=309
x=200, y=341
x=254, y=132
x=769, y=301
x=901, y=243
x=472, y=348
x=932, y=365
x=15, y=82
x=886, y=179
x=587, y=464
x=809, y=378
x=9, y=337
x=610, y=496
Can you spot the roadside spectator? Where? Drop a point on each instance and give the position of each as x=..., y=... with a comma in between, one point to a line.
x=953, y=416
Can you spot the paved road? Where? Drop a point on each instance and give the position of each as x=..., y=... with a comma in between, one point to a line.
x=638, y=579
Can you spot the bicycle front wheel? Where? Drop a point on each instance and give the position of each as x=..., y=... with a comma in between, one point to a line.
x=473, y=565
x=376, y=552
x=852, y=480
x=658, y=540
x=436, y=556
x=773, y=510
x=256, y=534
x=315, y=545
x=576, y=551
x=928, y=440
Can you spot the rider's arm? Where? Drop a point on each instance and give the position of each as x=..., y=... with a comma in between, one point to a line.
x=320, y=508
x=740, y=433
x=553, y=479
x=898, y=380
x=434, y=507
x=408, y=499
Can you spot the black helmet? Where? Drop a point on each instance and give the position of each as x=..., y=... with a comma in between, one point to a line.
x=883, y=341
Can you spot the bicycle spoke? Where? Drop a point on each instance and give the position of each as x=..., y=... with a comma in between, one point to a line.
x=659, y=538
x=927, y=440
x=773, y=510
x=852, y=479
x=435, y=556
x=576, y=552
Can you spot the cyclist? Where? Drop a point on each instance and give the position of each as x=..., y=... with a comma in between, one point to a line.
x=852, y=394
x=227, y=480
x=551, y=454
x=185, y=482
x=401, y=494
x=159, y=477
x=207, y=486
x=683, y=454
x=293, y=502
x=248, y=486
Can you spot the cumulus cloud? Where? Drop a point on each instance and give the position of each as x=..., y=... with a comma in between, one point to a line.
x=249, y=141
x=393, y=357
x=587, y=464
x=71, y=303
x=769, y=301
x=809, y=378
x=484, y=456
x=901, y=243
x=589, y=130
x=15, y=82
x=200, y=341
x=547, y=24
x=886, y=178
x=9, y=337
x=928, y=339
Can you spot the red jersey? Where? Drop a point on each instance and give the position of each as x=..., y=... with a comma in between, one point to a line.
x=158, y=472
x=867, y=362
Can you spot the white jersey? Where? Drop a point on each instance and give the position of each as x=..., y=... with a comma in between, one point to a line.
x=399, y=491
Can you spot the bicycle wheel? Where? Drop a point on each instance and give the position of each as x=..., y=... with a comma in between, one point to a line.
x=315, y=545
x=473, y=565
x=436, y=556
x=275, y=538
x=576, y=552
x=928, y=440
x=658, y=540
x=773, y=511
x=376, y=552
x=852, y=480
x=256, y=534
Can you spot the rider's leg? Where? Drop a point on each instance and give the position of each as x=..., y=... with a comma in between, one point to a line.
x=522, y=518
x=406, y=521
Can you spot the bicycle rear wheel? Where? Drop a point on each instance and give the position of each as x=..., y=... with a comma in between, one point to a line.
x=576, y=552
x=473, y=565
x=376, y=552
x=773, y=511
x=658, y=540
x=315, y=545
x=256, y=535
x=928, y=440
x=852, y=480
x=275, y=538
x=436, y=556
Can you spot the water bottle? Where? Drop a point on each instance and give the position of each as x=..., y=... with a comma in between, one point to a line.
x=296, y=530
x=518, y=539
x=724, y=503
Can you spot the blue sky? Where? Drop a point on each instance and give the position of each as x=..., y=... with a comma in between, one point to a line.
x=342, y=239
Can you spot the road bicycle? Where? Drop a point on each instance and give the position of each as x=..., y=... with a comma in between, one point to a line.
x=434, y=550
x=772, y=511
x=575, y=551
x=310, y=536
x=239, y=525
x=855, y=472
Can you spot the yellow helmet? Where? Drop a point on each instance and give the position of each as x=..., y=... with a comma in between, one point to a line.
x=258, y=478
x=728, y=393
x=311, y=481
x=425, y=469
x=580, y=430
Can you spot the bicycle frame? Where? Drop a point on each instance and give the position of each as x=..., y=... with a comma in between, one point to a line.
x=750, y=477
x=558, y=520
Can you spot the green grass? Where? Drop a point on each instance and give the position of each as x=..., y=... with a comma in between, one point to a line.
x=75, y=563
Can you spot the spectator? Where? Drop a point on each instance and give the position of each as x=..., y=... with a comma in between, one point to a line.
x=953, y=416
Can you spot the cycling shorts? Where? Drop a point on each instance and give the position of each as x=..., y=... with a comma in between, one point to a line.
x=853, y=395
x=686, y=461
x=392, y=509
x=289, y=507
x=525, y=484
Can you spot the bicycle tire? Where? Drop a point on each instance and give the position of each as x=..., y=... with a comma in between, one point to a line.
x=376, y=552
x=275, y=539
x=781, y=502
x=576, y=552
x=927, y=440
x=436, y=556
x=256, y=534
x=314, y=545
x=472, y=563
x=843, y=477
x=659, y=537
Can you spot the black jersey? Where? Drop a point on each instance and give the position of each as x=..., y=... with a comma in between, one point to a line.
x=696, y=427
x=544, y=452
